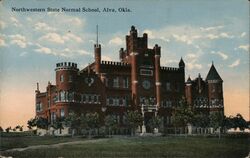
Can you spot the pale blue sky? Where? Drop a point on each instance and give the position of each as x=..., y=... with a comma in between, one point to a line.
x=200, y=31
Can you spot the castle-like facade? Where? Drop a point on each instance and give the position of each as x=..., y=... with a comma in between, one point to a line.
x=137, y=82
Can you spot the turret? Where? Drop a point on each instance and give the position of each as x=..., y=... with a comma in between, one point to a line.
x=215, y=88
x=66, y=74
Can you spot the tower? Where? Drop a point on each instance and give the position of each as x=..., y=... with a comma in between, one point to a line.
x=132, y=50
x=157, y=51
x=188, y=91
x=97, y=48
x=215, y=90
x=66, y=83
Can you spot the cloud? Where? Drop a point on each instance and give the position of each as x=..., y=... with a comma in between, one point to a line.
x=243, y=34
x=212, y=36
x=29, y=19
x=57, y=38
x=170, y=61
x=73, y=37
x=154, y=35
x=83, y=52
x=192, y=59
x=116, y=41
x=221, y=54
x=53, y=37
x=2, y=43
x=183, y=38
x=225, y=35
x=44, y=50
x=244, y=47
x=235, y=63
x=18, y=40
x=75, y=21
x=40, y=26
x=106, y=58
x=191, y=66
x=23, y=54
x=2, y=25
x=211, y=28
x=15, y=22
x=191, y=56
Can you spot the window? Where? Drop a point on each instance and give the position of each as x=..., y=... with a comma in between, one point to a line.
x=83, y=97
x=168, y=86
x=53, y=117
x=71, y=96
x=125, y=82
x=39, y=107
x=146, y=72
x=55, y=98
x=48, y=102
x=62, y=112
x=62, y=96
x=213, y=88
x=61, y=78
x=70, y=78
x=116, y=82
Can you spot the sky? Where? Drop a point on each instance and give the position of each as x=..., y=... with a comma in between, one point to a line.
x=199, y=31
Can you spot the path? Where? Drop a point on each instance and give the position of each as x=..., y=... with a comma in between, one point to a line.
x=56, y=145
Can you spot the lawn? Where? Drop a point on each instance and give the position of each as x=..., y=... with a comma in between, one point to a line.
x=24, y=141
x=147, y=147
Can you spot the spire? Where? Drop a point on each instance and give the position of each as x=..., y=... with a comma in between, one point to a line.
x=189, y=79
x=97, y=35
x=37, y=86
x=181, y=63
x=213, y=74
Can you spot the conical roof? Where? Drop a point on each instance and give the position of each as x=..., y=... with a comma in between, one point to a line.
x=213, y=74
x=181, y=63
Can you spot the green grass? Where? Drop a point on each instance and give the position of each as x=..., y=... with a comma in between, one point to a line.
x=20, y=142
x=147, y=147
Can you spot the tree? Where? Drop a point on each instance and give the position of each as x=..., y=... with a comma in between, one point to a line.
x=182, y=114
x=93, y=121
x=217, y=121
x=8, y=129
x=18, y=127
x=229, y=122
x=1, y=129
x=83, y=122
x=240, y=122
x=133, y=120
x=111, y=123
x=155, y=122
x=58, y=124
x=72, y=121
x=31, y=123
x=201, y=120
x=41, y=122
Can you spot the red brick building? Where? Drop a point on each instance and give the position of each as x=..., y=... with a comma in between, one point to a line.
x=137, y=81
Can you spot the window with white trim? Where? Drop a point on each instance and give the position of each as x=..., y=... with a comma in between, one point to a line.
x=116, y=82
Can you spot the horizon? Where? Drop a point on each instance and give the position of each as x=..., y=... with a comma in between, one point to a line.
x=200, y=32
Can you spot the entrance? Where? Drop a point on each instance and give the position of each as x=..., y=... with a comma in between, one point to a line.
x=147, y=118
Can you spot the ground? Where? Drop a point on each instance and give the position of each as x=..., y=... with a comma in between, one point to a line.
x=129, y=147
